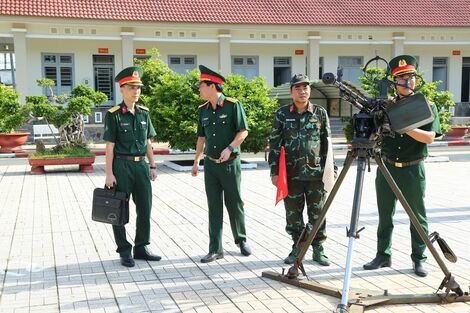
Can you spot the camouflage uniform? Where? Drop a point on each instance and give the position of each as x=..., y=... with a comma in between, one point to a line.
x=304, y=137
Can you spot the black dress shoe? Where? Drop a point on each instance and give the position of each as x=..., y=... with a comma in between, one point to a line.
x=212, y=256
x=245, y=248
x=127, y=261
x=419, y=269
x=146, y=255
x=376, y=263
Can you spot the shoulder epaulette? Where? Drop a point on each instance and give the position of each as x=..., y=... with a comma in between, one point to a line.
x=114, y=108
x=142, y=107
x=202, y=105
x=231, y=99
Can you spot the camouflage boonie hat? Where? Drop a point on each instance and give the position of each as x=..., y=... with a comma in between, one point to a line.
x=298, y=79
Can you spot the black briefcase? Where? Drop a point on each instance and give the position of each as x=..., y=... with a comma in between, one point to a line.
x=409, y=113
x=110, y=206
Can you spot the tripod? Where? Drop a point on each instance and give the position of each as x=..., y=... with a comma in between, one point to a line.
x=362, y=150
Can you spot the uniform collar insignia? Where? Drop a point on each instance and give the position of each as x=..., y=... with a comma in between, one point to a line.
x=124, y=109
x=291, y=109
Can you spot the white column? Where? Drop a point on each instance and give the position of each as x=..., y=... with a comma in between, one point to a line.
x=127, y=49
x=225, y=63
x=398, y=46
x=313, y=65
x=21, y=62
x=454, y=80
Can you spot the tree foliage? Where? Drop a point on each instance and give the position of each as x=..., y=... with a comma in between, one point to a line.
x=173, y=100
x=12, y=114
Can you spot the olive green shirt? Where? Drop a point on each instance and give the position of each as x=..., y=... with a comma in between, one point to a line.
x=220, y=126
x=127, y=131
x=305, y=140
x=403, y=148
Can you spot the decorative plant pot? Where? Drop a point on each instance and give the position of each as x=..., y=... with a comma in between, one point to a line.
x=85, y=163
x=12, y=142
x=456, y=133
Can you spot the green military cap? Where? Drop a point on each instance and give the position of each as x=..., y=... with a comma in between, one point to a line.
x=209, y=75
x=403, y=64
x=130, y=75
x=298, y=79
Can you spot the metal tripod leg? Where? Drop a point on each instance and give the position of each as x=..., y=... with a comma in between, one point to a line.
x=304, y=244
x=449, y=281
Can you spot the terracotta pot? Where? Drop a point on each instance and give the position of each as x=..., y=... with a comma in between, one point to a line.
x=11, y=142
x=85, y=163
x=456, y=133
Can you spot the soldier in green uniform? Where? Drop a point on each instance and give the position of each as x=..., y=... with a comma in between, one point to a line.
x=404, y=157
x=222, y=127
x=303, y=129
x=128, y=131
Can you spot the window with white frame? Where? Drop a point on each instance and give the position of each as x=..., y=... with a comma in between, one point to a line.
x=85, y=119
x=246, y=66
x=352, y=68
x=282, y=70
x=182, y=63
x=59, y=68
x=98, y=117
x=439, y=72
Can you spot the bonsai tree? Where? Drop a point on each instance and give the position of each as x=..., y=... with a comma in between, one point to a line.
x=12, y=114
x=174, y=99
x=68, y=117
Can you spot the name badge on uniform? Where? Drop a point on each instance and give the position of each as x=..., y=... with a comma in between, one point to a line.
x=223, y=116
x=290, y=119
x=143, y=122
x=125, y=124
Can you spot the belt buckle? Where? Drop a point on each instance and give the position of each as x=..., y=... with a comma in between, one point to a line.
x=136, y=158
x=398, y=164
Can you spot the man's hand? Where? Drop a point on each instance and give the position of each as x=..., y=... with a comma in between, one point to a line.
x=195, y=169
x=110, y=181
x=274, y=180
x=225, y=155
x=153, y=174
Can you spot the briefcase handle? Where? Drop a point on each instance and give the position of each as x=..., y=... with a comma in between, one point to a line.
x=111, y=188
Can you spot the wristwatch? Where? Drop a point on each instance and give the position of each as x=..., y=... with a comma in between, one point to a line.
x=153, y=167
x=230, y=148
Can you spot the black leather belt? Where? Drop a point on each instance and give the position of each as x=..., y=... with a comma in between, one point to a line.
x=402, y=164
x=232, y=157
x=135, y=158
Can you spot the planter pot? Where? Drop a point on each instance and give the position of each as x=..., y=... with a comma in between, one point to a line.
x=12, y=142
x=456, y=133
x=85, y=163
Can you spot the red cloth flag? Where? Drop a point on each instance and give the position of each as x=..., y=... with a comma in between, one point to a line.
x=282, y=178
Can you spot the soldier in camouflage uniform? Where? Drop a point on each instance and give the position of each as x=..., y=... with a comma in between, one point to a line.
x=303, y=129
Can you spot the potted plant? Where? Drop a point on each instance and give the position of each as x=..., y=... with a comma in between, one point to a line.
x=456, y=132
x=66, y=114
x=12, y=116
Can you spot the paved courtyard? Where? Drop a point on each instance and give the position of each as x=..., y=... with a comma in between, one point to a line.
x=54, y=258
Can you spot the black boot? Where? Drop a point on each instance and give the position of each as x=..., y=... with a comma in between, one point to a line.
x=144, y=254
x=127, y=261
x=419, y=269
x=245, y=248
x=378, y=262
x=212, y=256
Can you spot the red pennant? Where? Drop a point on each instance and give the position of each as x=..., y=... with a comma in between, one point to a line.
x=282, y=190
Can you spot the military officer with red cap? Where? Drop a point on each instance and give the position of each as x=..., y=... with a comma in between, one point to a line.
x=128, y=131
x=222, y=127
x=404, y=157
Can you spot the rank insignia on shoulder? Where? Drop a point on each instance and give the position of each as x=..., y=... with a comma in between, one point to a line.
x=231, y=99
x=202, y=105
x=114, y=108
x=142, y=108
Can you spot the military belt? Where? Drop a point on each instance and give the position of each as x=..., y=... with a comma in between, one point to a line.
x=135, y=158
x=233, y=156
x=402, y=164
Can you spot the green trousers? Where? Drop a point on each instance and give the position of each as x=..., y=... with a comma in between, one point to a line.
x=412, y=182
x=134, y=178
x=301, y=192
x=222, y=182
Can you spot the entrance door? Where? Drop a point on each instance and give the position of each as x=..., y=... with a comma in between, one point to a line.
x=103, y=69
x=465, y=80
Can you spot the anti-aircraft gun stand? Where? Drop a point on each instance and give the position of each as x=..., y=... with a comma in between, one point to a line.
x=375, y=119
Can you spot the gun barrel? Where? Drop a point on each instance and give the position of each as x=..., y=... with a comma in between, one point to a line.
x=345, y=92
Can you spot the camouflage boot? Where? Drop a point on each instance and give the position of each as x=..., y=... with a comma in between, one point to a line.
x=319, y=256
x=292, y=256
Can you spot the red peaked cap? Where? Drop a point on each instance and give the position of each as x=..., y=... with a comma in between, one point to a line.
x=209, y=75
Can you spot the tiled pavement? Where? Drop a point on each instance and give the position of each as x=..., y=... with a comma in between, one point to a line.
x=54, y=258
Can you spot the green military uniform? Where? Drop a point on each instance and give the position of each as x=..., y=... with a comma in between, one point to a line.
x=304, y=137
x=129, y=132
x=412, y=182
x=219, y=126
x=404, y=158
